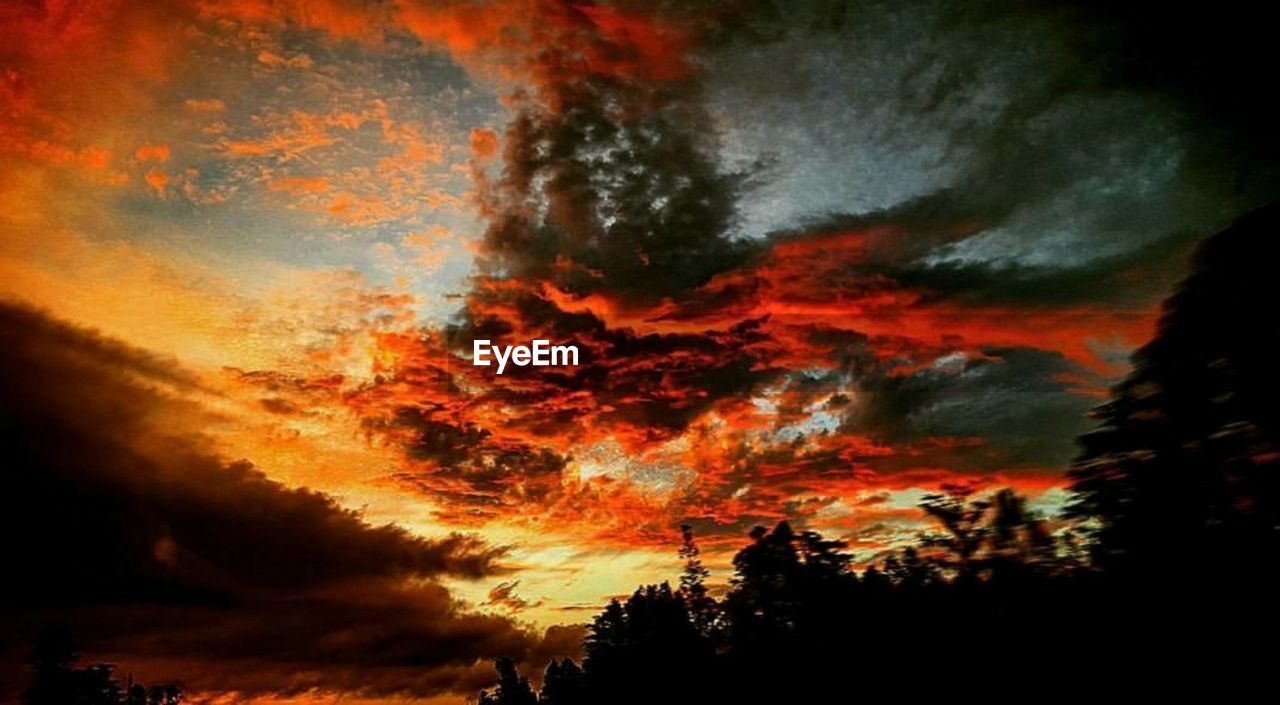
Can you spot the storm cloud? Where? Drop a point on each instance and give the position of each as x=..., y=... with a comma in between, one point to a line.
x=858, y=240
x=125, y=527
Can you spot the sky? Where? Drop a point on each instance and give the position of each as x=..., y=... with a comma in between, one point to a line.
x=820, y=258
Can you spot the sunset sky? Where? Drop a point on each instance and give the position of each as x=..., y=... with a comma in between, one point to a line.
x=820, y=260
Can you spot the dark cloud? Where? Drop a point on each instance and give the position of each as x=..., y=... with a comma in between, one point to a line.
x=1127, y=279
x=634, y=388
x=830, y=247
x=939, y=221
x=1021, y=404
x=609, y=193
x=610, y=183
x=1028, y=151
x=617, y=206
x=504, y=595
x=123, y=526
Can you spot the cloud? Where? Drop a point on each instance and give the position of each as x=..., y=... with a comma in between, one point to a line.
x=299, y=185
x=781, y=372
x=161, y=553
x=915, y=260
x=1017, y=402
x=609, y=182
x=484, y=143
x=1005, y=124
x=504, y=595
x=274, y=60
x=152, y=152
x=158, y=180
x=205, y=105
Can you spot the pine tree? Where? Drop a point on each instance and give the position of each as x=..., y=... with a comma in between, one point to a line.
x=693, y=585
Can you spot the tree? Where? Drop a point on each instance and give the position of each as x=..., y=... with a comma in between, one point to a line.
x=58, y=681
x=962, y=518
x=790, y=599
x=647, y=649
x=906, y=570
x=1019, y=539
x=512, y=689
x=985, y=538
x=563, y=684
x=1186, y=460
x=693, y=585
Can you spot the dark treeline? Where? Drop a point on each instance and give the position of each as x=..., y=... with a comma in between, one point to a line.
x=1160, y=576
x=57, y=680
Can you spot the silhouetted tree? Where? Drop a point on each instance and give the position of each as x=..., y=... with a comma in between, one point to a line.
x=1170, y=562
x=962, y=518
x=1186, y=461
x=908, y=572
x=57, y=681
x=646, y=648
x=563, y=684
x=164, y=695
x=512, y=689
x=783, y=579
x=790, y=600
x=996, y=536
x=693, y=585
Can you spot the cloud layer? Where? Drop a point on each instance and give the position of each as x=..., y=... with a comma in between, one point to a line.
x=159, y=554
x=819, y=258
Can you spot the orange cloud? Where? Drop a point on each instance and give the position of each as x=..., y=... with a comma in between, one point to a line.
x=484, y=143
x=297, y=185
x=274, y=60
x=152, y=152
x=158, y=180
x=549, y=41
x=706, y=407
x=205, y=105
x=73, y=70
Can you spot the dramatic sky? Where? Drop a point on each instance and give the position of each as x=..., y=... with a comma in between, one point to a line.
x=820, y=258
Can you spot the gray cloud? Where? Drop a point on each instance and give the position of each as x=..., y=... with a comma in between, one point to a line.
x=1018, y=400
x=1063, y=139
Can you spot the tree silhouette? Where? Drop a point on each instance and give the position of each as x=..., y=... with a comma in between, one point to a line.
x=693, y=585
x=1166, y=556
x=990, y=537
x=1186, y=460
x=563, y=684
x=646, y=647
x=906, y=571
x=790, y=600
x=513, y=688
x=57, y=681
x=962, y=518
